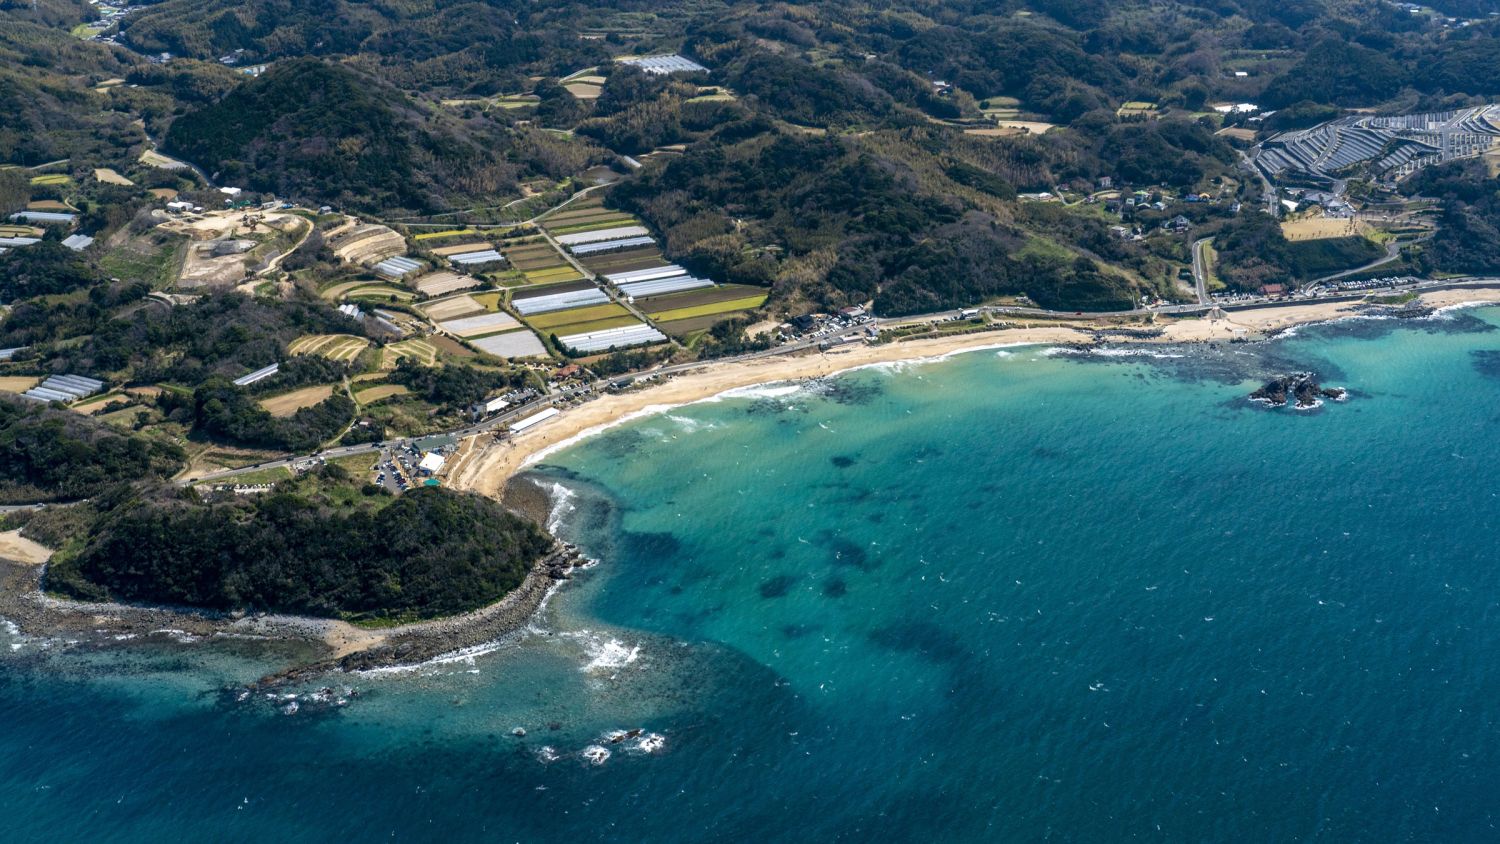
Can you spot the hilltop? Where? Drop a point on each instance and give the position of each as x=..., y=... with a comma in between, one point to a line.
x=324, y=131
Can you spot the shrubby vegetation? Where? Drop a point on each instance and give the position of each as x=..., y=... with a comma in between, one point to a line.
x=43, y=269
x=315, y=546
x=453, y=385
x=224, y=334
x=1253, y=252
x=322, y=131
x=1468, y=236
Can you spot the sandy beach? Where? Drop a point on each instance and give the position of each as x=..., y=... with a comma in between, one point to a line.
x=487, y=465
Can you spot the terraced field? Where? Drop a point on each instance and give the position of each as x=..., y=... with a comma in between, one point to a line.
x=344, y=347
x=421, y=351
x=442, y=234
x=380, y=293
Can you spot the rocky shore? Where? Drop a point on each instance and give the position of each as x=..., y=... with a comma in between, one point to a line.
x=345, y=647
x=417, y=643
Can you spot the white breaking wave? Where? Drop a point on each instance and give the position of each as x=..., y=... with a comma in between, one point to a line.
x=604, y=654
x=562, y=506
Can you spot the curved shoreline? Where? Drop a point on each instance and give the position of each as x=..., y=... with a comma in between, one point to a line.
x=489, y=464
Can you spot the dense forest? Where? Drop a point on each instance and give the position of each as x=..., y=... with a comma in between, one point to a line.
x=50, y=454
x=301, y=549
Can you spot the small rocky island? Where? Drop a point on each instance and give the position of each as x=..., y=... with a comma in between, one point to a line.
x=1301, y=387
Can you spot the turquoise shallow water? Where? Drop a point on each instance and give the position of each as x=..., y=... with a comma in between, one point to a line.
x=1012, y=595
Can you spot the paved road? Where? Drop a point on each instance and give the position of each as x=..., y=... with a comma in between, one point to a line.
x=1200, y=270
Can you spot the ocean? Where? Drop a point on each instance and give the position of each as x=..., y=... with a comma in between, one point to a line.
x=1015, y=594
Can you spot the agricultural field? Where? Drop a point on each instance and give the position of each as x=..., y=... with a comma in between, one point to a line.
x=422, y=351
x=1239, y=133
x=58, y=179
x=460, y=248
x=98, y=403
x=1137, y=109
x=344, y=347
x=684, y=313
x=151, y=158
x=491, y=301
x=479, y=326
x=438, y=235
x=442, y=282
x=18, y=383
x=288, y=403
x=452, y=308
x=625, y=260
x=381, y=391
x=512, y=344
x=450, y=347
x=380, y=293
x=110, y=177
x=549, y=322
x=1319, y=228
x=532, y=255
x=551, y=275
x=586, y=90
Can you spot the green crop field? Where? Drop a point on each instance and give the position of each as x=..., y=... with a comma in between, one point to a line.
x=711, y=308
x=548, y=321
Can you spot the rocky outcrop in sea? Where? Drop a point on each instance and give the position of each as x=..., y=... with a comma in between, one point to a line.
x=1302, y=388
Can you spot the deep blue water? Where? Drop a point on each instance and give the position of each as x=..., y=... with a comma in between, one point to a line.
x=1012, y=595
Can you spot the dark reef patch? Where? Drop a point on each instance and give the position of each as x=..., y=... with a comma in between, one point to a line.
x=850, y=391
x=651, y=545
x=798, y=631
x=842, y=552
x=835, y=587
x=921, y=637
x=1486, y=362
x=778, y=586
x=841, y=461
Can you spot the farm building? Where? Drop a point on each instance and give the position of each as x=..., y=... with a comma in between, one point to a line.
x=483, y=256
x=48, y=217
x=397, y=267
x=611, y=245
x=648, y=274
x=659, y=286
x=78, y=242
x=64, y=388
x=611, y=338
x=258, y=375
x=602, y=234
x=559, y=301
x=662, y=65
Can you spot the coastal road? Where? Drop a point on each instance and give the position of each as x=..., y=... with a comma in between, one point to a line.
x=1200, y=269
